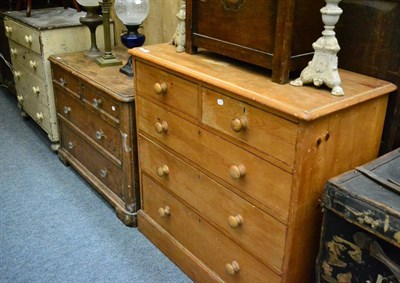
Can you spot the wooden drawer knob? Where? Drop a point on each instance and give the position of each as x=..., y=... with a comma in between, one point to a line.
x=162, y=171
x=28, y=39
x=163, y=212
x=160, y=88
x=9, y=30
x=39, y=116
x=235, y=221
x=14, y=52
x=32, y=64
x=239, y=124
x=232, y=268
x=20, y=98
x=17, y=74
x=97, y=102
x=35, y=90
x=237, y=171
x=161, y=127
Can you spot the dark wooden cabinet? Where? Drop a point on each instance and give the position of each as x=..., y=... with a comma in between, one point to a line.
x=95, y=111
x=274, y=34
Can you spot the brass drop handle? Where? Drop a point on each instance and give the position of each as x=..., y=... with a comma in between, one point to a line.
x=33, y=64
x=160, y=88
x=35, y=90
x=67, y=109
x=239, y=124
x=103, y=173
x=235, y=221
x=97, y=102
x=99, y=134
x=20, y=98
x=17, y=74
x=237, y=171
x=14, y=52
x=28, y=39
x=166, y=211
x=161, y=127
x=163, y=170
x=39, y=116
x=232, y=268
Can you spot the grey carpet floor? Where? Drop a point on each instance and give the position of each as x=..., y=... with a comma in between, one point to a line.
x=54, y=227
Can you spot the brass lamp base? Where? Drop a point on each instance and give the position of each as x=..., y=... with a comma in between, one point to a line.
x=108, y=60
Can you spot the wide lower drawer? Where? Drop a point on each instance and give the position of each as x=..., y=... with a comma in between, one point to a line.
x=264, y=131
x=168, y=89
x=91, y=123
x=100, y=166
x=243, y=221
x=247, y=172
x=215, y=250
x=32, y=60
x=22, y=34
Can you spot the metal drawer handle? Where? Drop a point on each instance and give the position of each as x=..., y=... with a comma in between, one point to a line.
x=67, y=109
x=103, y=173
x=33, y=64
x=17, y=74
x=161, y=127
x=70, y=145
x=28, y=39
x=97, y=102
x=239, y=124
x=14, y=52
x=163, y=170
x=163, y=212
x=237, y=171
x=160, y=88
x=235, y=221
x=35, y=90
x=99, y=134
x=232, y=268
x=125, y=142
x=39, y=116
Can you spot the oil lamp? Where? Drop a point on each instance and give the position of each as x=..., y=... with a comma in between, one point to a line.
x=92, y=20
x=131, y=13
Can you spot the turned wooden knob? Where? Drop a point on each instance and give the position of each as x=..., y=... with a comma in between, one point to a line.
x=235, y=221
x=166, y=211
x=32, y=64
x=28, y=39
x=237, y=171
x=39, y=116
x=160, y=88
x=239, y=124
x=161, y=127
x=35, y=90
x=163, y=170
x=17, y=74
x=232, y=268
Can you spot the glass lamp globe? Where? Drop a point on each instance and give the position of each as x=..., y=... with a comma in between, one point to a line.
x=92, y=20
x=132, y=13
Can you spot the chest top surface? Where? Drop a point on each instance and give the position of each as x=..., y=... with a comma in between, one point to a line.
x=108, y=79
x=253, y=83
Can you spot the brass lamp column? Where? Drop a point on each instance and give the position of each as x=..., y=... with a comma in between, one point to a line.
x=107, y=59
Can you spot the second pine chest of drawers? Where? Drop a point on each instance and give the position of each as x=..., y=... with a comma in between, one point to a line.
x=232, y=165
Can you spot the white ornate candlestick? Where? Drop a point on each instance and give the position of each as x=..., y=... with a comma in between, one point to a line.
x=323, y=68
x=179, y=37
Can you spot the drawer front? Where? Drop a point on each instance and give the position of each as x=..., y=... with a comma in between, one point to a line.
x=199, y=237
x=247, y=172
x=105, y=171
x=32, y=60
x=167, y=89
x=252, y=227
x=99, y=101
x=35, y=109
x=260, y=129
x=29, y=84
x=65, y=79
x=23, y=35
x=89, y=122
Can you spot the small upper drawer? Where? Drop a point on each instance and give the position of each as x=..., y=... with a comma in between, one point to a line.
x=262, y=130
x=65, y=79
x=22, y=34
x=202, y=239
x=167, y=88
x=100, y=101
x=32, y=60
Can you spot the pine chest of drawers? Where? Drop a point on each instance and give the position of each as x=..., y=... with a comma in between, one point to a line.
x=32, y=40
x=232, y=165
x=95, y=109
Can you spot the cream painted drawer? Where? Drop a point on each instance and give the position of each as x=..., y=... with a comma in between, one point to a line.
x=28, y=58
x=238, y=218
x=101, y=167
x=23, y=35
x=247, y=172
x=91, y=123
x=200, y=238
x=29, y=84
x=168, y=89
x=264, y=131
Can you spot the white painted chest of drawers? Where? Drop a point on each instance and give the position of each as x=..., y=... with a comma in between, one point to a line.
x=32, y=40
